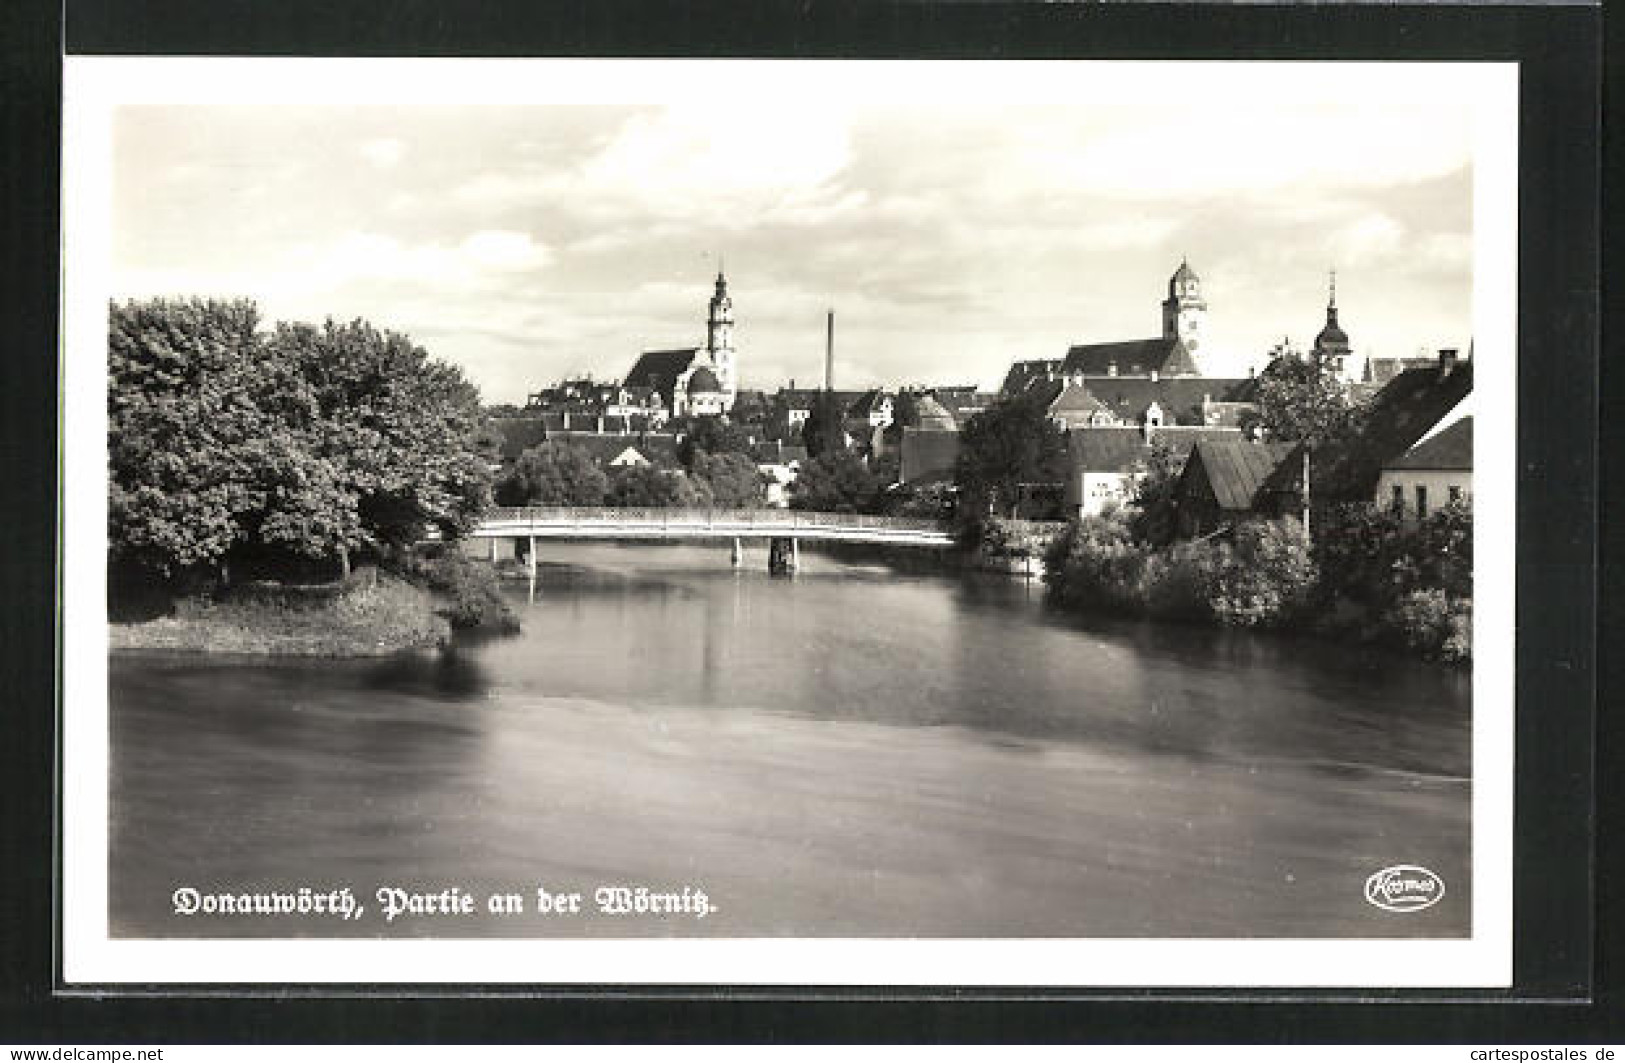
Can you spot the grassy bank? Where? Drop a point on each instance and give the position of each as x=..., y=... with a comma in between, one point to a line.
x=370, y=618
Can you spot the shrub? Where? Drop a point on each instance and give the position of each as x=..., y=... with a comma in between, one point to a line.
x=470, y=590
x=1434, y=624
x=1267, y=575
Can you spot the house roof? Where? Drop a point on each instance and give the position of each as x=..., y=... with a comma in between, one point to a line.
x=1076, y=398
x=607, y=446
x=866, y=403
x=1121, y=450
x=1179, y=397
x=928, y=454
x=1022, y=374
x=1239, y=471
x=933, y=415
x=1164, y=355
x=1450, y=449
x=660, y=369
x=1404, y=411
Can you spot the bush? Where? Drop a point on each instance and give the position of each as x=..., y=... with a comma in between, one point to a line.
x=1096, y=563
x=1434, y=624
x=469, y=589
x=1267, y=575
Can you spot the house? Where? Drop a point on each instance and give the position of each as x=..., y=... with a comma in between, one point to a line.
x=1225, y=481
x=1409, y=408
x=873, y=409
x=779, y=464
x=1436, y=472
x=1105, y=465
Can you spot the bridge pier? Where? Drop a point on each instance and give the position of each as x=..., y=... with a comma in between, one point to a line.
x=783, y=556
x=738, y=555
x=493, y=543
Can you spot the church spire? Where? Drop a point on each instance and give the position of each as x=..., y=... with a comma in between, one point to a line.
x=1331, y=302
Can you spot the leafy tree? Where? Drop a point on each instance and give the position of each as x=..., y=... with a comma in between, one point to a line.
x=227, y=444
x=1004, y=450
x=711, y=435
x=648, y=486
x=1301, y=398
x=838, y=482
x=732, y=479
x=186, y=382
x=1152, y=518
x=822, y=432
x=554, y=474
x=397, y=429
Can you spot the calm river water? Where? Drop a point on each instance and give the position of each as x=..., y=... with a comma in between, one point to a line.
x=852, y=752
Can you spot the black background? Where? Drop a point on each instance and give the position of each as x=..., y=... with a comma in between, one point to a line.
x=1566, y=952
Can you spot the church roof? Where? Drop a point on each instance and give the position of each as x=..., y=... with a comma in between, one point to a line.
x=1450, y=449
x=660, y=369
x=1183, y=273
x=703, y=381
x=1166, y=356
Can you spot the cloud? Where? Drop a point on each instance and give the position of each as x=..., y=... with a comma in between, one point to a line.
x=383, y=152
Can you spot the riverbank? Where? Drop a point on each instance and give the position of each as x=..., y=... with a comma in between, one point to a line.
x=370, y=618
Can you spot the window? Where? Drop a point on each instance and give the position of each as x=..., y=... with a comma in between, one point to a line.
x=1421, y=501
x=1398, y=502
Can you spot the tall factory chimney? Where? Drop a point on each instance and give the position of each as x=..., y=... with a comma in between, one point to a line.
x=829, y=354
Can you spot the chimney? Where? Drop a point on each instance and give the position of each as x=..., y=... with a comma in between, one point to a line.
x=1447, y=360
x=829, y=353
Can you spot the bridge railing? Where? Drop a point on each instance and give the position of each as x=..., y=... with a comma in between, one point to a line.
x=764, y=519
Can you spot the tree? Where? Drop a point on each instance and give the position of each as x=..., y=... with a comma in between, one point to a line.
x=1152, y=519
x=1303, y=399
x=1006, y=449
x=310, y=443
x=835, y=483
x=711, y=435
x=649, y=487
x=822, y=433
x=733, y=480
x=398, y=429
x=554, y=474
x=185, y=384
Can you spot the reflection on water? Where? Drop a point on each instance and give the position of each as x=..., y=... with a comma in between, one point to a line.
x=850, y=752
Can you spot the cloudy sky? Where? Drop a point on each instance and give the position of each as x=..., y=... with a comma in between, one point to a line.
x=953, y=225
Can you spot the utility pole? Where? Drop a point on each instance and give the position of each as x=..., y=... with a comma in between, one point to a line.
x=1306, y=494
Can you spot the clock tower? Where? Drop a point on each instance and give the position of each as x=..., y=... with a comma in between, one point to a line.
x=719, y=339
x=1184, y=312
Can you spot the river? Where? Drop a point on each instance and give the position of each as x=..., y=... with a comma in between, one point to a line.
x=851, y=752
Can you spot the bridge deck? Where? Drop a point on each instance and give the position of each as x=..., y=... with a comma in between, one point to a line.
x=559, y=522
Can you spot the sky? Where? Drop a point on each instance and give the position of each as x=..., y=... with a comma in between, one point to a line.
x=955, y=220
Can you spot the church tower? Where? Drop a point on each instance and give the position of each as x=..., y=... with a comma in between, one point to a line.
x=1184, y=312
x=1332, y=345
x=719, y=339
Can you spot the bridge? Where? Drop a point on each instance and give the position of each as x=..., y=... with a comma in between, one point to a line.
x=785, y=529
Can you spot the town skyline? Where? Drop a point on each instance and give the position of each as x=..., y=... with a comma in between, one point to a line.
x=530, y=243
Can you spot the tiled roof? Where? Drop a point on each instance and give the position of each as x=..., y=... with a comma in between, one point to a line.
x=866, y=403
x=1404, y=411
x=1450, y=449
x=1239, y=470
x=772, y=453
x=1179, y=397
x=1022, y=374
x=660, y=369
x=1076, y=398
x=1122, y=449
x=1131, y=358
x=607, y=446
